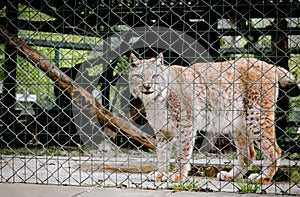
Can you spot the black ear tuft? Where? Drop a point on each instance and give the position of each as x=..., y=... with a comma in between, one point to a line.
x=135, y=61
x=160, y=59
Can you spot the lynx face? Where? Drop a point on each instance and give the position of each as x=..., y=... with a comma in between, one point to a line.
x=148, y=78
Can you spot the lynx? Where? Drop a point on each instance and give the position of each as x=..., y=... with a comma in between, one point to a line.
x=236, y=97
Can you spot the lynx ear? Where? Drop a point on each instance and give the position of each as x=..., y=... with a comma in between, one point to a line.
x=135, y=61
x=160, y=59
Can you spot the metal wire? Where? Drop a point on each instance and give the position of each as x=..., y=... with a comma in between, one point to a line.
x=48, y=138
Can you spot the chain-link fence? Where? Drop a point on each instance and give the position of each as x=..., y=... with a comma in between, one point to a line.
x=78, y=109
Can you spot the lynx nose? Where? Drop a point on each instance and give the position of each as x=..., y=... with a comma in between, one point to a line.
x=147, y=86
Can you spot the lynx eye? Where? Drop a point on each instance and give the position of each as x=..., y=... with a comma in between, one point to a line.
x=138, y=76
x=155, y=76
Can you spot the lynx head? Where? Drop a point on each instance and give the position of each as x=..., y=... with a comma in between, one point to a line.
x=148, y=77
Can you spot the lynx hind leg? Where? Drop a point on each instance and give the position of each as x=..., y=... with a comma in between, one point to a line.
x=263, y=131
x=163, y=151
x=246, y=155
x=271, y=162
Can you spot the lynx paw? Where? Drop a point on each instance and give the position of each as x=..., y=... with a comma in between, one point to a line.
x=157, y=176
x=224, y=176
x=259, y=178
x=178, y=178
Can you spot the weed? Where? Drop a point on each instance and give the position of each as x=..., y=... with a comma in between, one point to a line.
x=259, y=155
x=247, y=186
x=34, y=143
x=81, y=149
x=186, y=186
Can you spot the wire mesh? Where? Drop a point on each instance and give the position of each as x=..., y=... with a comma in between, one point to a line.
x=81, y=124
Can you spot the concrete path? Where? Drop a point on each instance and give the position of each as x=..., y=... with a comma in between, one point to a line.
x=118, y=171
x=34, y=190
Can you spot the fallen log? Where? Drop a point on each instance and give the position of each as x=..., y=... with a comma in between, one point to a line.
x=85, y=99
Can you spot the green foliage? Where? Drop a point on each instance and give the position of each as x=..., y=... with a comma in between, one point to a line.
x=31, y=79
x=28, y=13
x=264, y=41
x=294, y=156
x=260, y=22
x=259, y=155
x=34, y=144
x=294, y=176
x=123, y=65
x=95, y=70
x=81, y=149
x=2, y=59
x=247, y=186
x=294, y=63
x=186, y=186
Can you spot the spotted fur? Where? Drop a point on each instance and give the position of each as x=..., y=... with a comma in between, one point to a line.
x=236, y=97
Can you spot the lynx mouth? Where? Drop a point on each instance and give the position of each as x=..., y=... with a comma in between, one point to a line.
x=147, y=92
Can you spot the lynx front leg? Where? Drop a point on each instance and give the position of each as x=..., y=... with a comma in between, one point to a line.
x=163, y=149
x=184, y=146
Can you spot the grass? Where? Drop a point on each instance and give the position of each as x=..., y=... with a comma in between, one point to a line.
x=186, y=186
x=259, y=155
x=247, y=186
